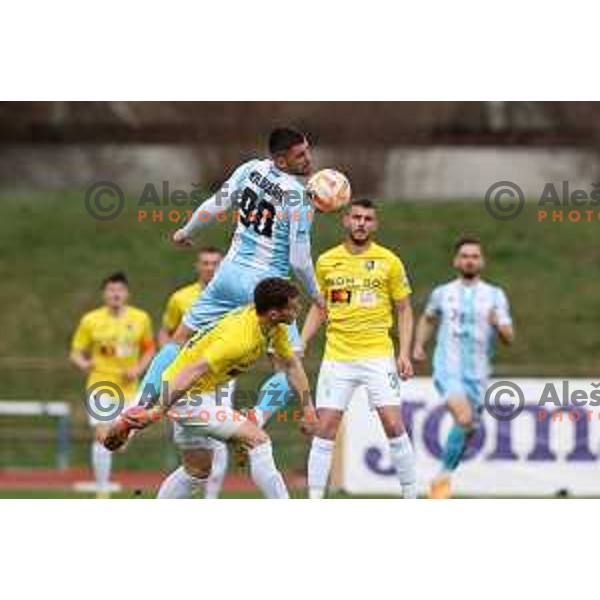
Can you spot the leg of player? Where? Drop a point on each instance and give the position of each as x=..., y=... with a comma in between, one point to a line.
x=456, y=444
x=263, y=470
x=401, y=450
x=101, y=462
x=149, y=388
x=223, y=397
x=218, y=470
x=321, y=451
x=191, y=478
x=275, y=393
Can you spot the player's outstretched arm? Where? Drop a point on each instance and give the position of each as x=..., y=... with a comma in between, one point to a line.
x=314, y=319
x=302, y=265
x=206, y=213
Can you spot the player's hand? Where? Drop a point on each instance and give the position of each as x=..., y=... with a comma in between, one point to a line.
x=87, y=366
x=405, y=368
x=419, y=354
x=493, y=318
x=180, y=239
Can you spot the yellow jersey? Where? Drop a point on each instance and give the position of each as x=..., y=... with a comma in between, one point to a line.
x=230, y=346
x=360, y=290
x=178, y=304
x=114, y=343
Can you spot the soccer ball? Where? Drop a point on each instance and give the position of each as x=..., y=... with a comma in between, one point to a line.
x=329, y=190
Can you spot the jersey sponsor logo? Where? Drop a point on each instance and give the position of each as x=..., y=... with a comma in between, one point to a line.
x=367, y=299
x=341, y=296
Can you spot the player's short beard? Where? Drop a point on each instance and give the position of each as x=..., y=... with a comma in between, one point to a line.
x=361, y=242
x=470, y=274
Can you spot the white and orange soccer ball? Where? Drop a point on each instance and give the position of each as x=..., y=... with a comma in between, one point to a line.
x=329, y=190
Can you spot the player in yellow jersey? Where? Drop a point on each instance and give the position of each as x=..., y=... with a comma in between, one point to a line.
x=363, y=285
x=207, y=263
x=113, y=346
x=190, y=391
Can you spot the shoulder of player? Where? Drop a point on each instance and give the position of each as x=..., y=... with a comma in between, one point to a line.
x=442, y=288
x=332, y=254
x=493, y=288
x=137, y=313
x=184, y=290
x=382, y=253
x=93, y=315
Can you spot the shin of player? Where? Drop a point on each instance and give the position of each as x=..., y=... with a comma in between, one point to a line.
x=470, y=314
x=362, y=283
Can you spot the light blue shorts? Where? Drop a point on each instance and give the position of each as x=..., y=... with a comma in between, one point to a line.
x=231, y=287
x=471, y=389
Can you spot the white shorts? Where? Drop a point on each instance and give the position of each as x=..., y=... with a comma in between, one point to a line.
x=339, y=379
x=208, y=424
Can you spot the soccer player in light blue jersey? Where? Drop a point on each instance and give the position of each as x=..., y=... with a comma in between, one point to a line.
x=271, y=239
x=469, y=314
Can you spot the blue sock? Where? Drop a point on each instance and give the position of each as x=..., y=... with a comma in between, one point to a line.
x=455, y=447
x=274, y=395
x=149, y=388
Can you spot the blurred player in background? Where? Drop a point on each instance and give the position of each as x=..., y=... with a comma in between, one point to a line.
x=272, y=236
x=209, y=359
x=363, y=284
x=470, y=314
x=207, y=263
x=113, y=344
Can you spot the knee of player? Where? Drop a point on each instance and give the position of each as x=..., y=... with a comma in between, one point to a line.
x=252, y=436
x=465, y=420
x=327, y=428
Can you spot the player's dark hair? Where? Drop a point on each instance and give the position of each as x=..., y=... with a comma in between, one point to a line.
x=210, y=250
x=118, y=277
x=364, y=202
x=284, y=138
x=273, y=293
x=465, y=239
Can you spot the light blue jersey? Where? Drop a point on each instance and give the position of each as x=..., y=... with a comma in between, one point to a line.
x=274, y=218
x=465, y=338
x=274, y=212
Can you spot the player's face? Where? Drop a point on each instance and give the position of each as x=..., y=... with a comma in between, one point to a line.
x=115, y=295
x=297, y=160
x=288, y=314
x=469, y=261
x=360, y=223
x=207, y=265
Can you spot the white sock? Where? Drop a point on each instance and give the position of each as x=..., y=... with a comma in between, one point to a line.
x=265, y=474
x=217, y=472
x=405, y=463
x=102, y=463
x=319, y=466
x=180, y=486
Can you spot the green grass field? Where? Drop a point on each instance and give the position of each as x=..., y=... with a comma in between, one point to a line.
x=54, y=255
